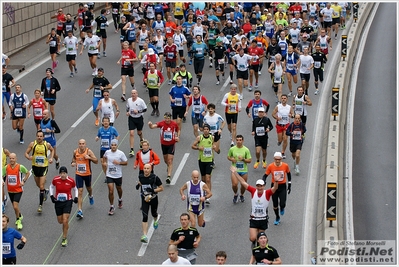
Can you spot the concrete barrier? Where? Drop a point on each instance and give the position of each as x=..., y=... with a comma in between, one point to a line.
x=336, y=154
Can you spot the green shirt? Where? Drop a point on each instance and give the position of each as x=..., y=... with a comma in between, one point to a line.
x=244, y=153
x=207, y=154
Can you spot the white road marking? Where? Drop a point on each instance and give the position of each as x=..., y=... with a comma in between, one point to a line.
x=149, y=235
x=225, y=84
x=180, y=168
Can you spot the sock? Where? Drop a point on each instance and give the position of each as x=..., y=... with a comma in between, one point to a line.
x=21, y=134
x=41, y=196
x=132, y=84
x=231, y=75
x=316, y=85
x=156, y=105
x=199, y=78
x=217, y=77
x=153, y=105
x=131, y=149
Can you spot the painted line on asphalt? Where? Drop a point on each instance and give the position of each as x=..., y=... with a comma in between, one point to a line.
x=144, y=246
x=180, y=168
x=225, y=84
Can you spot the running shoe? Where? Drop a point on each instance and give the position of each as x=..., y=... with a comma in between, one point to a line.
x=111, y=210
x=316, y=92
x=3, y=209
x=203, y=225
x=5, y=201
x=4, y=116
x=19, y=224
x=283, y=155
x=153, y=113
x=259, y=73
x=223, y=77
x=46, y=191
x=144, y=239
x=21, y=141
x=256, y=165
x=40, y=208
x=168, y=180
x=264, y=164
x=282, y=211
x=57, y=165
x=218, y=82
x=278, y=143
x=277, y=221
x=232, y=144
x=104, y=54
x=242, y=198
x=169, y=82
x=155, y=224
x=241, y=97
x=184, y=119
x=210, y=65
x=120, y=203
x=250, y=88
x=207, y=201
x=58, y=53
x=64, y=242
x=76, y=70
x=235, y=199
x=80, y=214
x=94, y=73
x=97, y=122
x=256, y=85
x=190, y=62
x=289, y=94
x=71, y=75
x=91, y=200
x=297, y=172
x=157, y=113
x=123, y=97
x=131, y=153
x=231, y=82
x=99, y=56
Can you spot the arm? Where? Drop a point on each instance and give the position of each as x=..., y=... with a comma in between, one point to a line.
x=116, y=107
x=235, y=174
x=208, y=192
x=152, y=125
x=49, y=147
x=195, y=144
x=184, y=187
x=308, y=101
x=28, y=150
x=55, y=126
x=156, y=159
x=90, y=155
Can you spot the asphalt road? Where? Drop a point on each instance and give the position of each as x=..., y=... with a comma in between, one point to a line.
x=375, y=135
x=102, y=239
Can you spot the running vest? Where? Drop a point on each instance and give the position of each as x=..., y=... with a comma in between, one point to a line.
x=39, y=154
x=142, y=37
x=207, y=154
x=160, y=43
x=278, y=73
x=284, y=113
x=291, y=61
x=283, y=46
x=194, y=192
x=159, y=25
x=178, y=9
x=53, y=41
x=48, y=136
x=198, y=106
x=312, y=10
x=296, y=131
x=14, y=179
x=178, y=40
x=18, y=102
x=107, y=110
x=323, y=42
x=232, y=99
x=152, y=80
x=255, y=107
x=300, y=108
x=131, y=34
x=269, y=28
x=184, y=77
x=259, y=205
x=198, y=30
x=83, y=167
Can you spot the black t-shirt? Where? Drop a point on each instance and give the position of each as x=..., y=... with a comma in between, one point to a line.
x=7, y=78
x=148, y=184
x=319, y=57
x=269, y=253
x=190, y=234
x=99, y=81
x=101, y=23
x=219, y=52
x=87, y=18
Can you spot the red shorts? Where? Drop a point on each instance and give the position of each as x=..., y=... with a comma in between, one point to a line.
x=281, y=128
x=325, y=51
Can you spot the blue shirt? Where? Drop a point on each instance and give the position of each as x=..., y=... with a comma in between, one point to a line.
x=187, y=26
x=177, y=92
x=106, y=135
x=8, y=242
x=200, y=49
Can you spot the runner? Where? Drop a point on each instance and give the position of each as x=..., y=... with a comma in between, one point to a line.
x=299, y=104
x=292, y=62
x=319, y=59
x=277, y=70
x=186, y=75
x=72, y=44
x=130, y=29
x=160, y=42
x=324, y=41
x=92, y=42
x=264, y=253
x=127, y=68
x=14, y=181
x=282, y=114
x=19, y=106
x=99, y=84
x=135, y=108
x=54, y=41
x=186, y=238
x=199, y=50
x=169, y=135
x=106, y=133
x=260, y=198
x=81, y=160
x=241, y=62
x=296, y=131
x=153, y=79
x=216, y=124
x=102, y=23
x=88, y=18
x=8, y=83
x=113, y=160
x=180, y=40
x=261, y=126
x=256, y=103
x=5, y=154
x=9, y=234
x=170, y=50
x=178, y=96
x=49, y=128
x=280, y=172
x=60, y=194
x=305, y=67
x=145, y=156
x=240, y=156
x=257, y=54
x=220, y=54
x=150, y=185
x=199, y=103
x=197, y=194
x=49, y=87
x=40, y=161
x=106, y=106
x=173, y=252
x=232, y=103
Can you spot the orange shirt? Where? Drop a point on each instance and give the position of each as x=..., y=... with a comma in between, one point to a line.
x=278, y=172
x=82, y=164
x=153, y=158
x=13, y=179
x=170, y=26
x=263, y=41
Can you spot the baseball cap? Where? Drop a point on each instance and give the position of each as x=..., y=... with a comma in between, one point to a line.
x=260, y=181
x=261, y=234
x=262, y=109
x=86, y=6
x=114, y=141
x=150, y=51
x=277, y=155
x=63, y=169
x=167, y=114
x=50, y=70
x=269, y=14
x=199, y=18
x=218, y=40
x=100, y=69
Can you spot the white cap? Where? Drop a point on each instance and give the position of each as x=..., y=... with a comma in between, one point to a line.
x=260, y=181
x=150, y=51
x=114, y=141
x=261, y=109
x=277, y=155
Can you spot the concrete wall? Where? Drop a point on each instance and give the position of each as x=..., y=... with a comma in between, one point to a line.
x=26, y=23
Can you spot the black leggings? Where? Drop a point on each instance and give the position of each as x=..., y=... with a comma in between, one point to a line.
x=116, y=18
x=281, y=193
x=145, y=207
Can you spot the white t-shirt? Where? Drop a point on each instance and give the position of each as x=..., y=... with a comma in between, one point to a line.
x=91, y=44
x=70, y=44
x=180, y=261
x=242, y=61
x=114, y=171
x=306, y=62
x=138, y=105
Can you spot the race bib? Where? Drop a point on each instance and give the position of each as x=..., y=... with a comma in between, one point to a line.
x=296, y=135
x=178, y=101
x=232, y=108
x=207, y=152
x=81, y=168
x=92, y=48
x=97, y=92
x=171, y=55
x=167, y=136
x=195, y=199
x=53, y=43
x=18, y=112
x=105, y=143
x=152, y=81
x=12, y=179
x=240, y=165
x=112, y=169
x=278, y=176
x=221, y=61
x=39, y=160
x=62, y=197
x=260, y=131
x=317, y=64
x=6, y=248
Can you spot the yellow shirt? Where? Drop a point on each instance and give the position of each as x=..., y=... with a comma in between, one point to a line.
x=179, y=9
x=337, y=11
